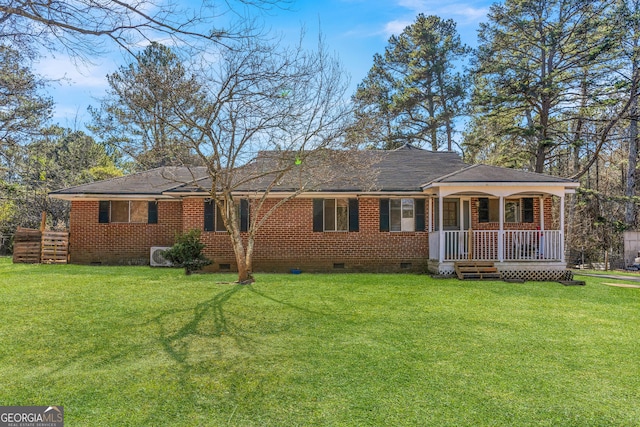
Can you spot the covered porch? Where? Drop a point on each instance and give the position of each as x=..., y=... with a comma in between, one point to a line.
x=515, y=221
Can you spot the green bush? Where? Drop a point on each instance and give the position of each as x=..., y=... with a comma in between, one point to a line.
x=187, y=252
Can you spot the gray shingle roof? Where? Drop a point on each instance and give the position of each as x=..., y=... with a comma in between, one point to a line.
x=407, y=169
x=486, y=174
x=401, y=170
x=152, y=182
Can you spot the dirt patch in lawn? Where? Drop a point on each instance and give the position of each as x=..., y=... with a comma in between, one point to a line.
x=622, y=285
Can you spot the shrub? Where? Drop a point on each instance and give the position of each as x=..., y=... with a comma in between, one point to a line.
x=187, y=252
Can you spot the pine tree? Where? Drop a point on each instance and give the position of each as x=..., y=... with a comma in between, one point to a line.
x=413, y=92
x=530, y=66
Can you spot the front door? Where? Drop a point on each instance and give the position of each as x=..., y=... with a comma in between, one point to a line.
x=456, y=216
x=451, y=214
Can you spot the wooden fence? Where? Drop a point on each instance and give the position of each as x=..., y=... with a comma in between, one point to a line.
x=34, y=246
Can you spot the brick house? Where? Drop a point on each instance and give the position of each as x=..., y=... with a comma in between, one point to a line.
x=423, y=210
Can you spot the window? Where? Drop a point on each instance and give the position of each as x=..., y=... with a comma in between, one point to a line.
x=450, y=213
x=488, y=210
x=335, y=215
x=527, y=209
x=213, y=216
x=512, y=211
x=515, y=210
x=128, y=211
x=402, y=215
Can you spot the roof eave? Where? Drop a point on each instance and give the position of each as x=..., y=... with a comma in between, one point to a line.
x=312, y=194
x=568, y=184
x=108, y=196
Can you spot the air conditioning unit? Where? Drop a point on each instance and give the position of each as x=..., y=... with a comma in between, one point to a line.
x=156, y=258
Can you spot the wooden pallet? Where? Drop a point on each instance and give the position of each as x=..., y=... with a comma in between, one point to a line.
x=26, y=246
x=478, y=270
x=55, y=247
x=33, y=246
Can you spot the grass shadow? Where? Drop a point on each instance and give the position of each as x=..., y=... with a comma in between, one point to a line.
x=288, y=304
x=210, y=312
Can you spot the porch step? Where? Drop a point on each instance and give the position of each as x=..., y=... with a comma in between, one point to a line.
x=479, y=270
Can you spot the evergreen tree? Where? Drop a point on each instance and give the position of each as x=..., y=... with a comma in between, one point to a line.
x=530, y=69
x=23, y=110
x=136, y=117
x=413, y=93
x=59, y=158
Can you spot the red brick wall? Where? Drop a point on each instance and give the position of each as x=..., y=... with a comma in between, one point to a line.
x=287, y=241
x=91, y=242
x=548, y=217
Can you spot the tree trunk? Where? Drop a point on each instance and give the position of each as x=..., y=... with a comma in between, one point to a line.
x=447, y=113
x=244, y=275
x=540, y=158
x=630, y=188
x=433, y=129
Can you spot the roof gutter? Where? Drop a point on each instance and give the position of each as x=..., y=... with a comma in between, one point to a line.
x=93, y=197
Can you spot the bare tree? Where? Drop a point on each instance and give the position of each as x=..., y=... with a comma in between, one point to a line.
x=82, y=27
x=267, y=120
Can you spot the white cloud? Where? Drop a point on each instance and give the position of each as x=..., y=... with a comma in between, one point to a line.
x=465, y=13
x=395, y=27
x=63, y=69
x=462, y=12
x=74, y=86
x=167, y=41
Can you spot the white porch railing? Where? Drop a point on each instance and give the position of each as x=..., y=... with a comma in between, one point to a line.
x=494, y=245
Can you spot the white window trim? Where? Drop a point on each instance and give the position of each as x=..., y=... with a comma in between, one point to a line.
x=335, y=215
x=403, y=221
x=518, y=212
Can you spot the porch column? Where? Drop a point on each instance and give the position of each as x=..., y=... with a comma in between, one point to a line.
x=430, y=214
x=562, y=228
x=542, y=213
x=501, y=230
x=440, y=228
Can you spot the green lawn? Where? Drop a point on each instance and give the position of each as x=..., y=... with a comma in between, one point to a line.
x=135, y=346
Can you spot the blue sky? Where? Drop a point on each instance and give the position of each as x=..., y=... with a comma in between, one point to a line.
x=354, y=29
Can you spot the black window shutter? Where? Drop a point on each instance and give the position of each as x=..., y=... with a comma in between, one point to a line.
x=354, y=220
x=419, y=212
x=152, y=213
x=209, y=215
x=384, y=214
x=527, y=209
x=318, y=217
x=103, y=212
x=483, y=209
x=244, y=215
